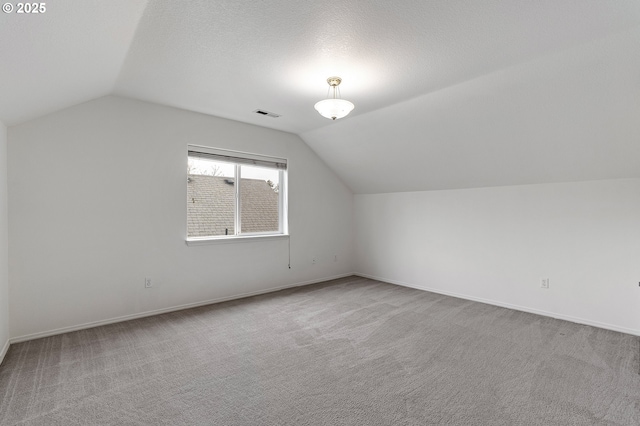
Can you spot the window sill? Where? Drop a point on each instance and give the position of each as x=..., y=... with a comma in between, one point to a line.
x=235, y=239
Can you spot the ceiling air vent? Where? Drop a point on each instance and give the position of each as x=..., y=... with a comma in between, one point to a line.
x=267, y=113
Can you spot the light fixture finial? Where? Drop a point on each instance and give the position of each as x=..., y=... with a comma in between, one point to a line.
x=334, y=81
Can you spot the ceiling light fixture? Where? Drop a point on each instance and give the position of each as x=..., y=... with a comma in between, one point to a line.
x=334, y=107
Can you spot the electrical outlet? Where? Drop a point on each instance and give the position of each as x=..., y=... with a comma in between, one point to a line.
x=544, y=283
x=147, y=283
x=314, y=260
x=335, y=257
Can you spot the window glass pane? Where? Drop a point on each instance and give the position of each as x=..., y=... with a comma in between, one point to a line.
x=259, y=199
x=210, y=198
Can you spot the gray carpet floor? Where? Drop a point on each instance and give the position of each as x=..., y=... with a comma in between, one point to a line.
x=347, y=352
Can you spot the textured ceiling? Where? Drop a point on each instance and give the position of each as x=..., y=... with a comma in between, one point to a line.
x=70, y=54
x=569, y=116
x=447, y=94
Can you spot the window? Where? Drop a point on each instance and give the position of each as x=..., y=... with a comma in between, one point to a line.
x=233, y=194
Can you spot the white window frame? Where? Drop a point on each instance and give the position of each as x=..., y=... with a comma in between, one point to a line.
x=283, y=228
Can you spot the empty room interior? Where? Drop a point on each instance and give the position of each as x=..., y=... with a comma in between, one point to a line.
x=285, y=212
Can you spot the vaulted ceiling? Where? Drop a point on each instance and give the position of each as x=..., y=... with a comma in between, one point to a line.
x=448, y=94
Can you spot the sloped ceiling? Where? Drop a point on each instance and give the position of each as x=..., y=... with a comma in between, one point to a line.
x=570, y=116
x=70, y=54
x=447, y=94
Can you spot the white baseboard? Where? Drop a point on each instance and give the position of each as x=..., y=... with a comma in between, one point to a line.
x=507, y=305
x=4, y=350
x=62, y=330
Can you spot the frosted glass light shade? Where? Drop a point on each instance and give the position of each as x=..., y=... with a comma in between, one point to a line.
x=334, y=108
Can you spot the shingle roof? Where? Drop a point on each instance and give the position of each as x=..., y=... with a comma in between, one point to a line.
x=210, y=205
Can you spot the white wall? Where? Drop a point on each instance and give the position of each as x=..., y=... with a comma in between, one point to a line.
x=4, y=265
x=494, y=245
x=97, y=203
